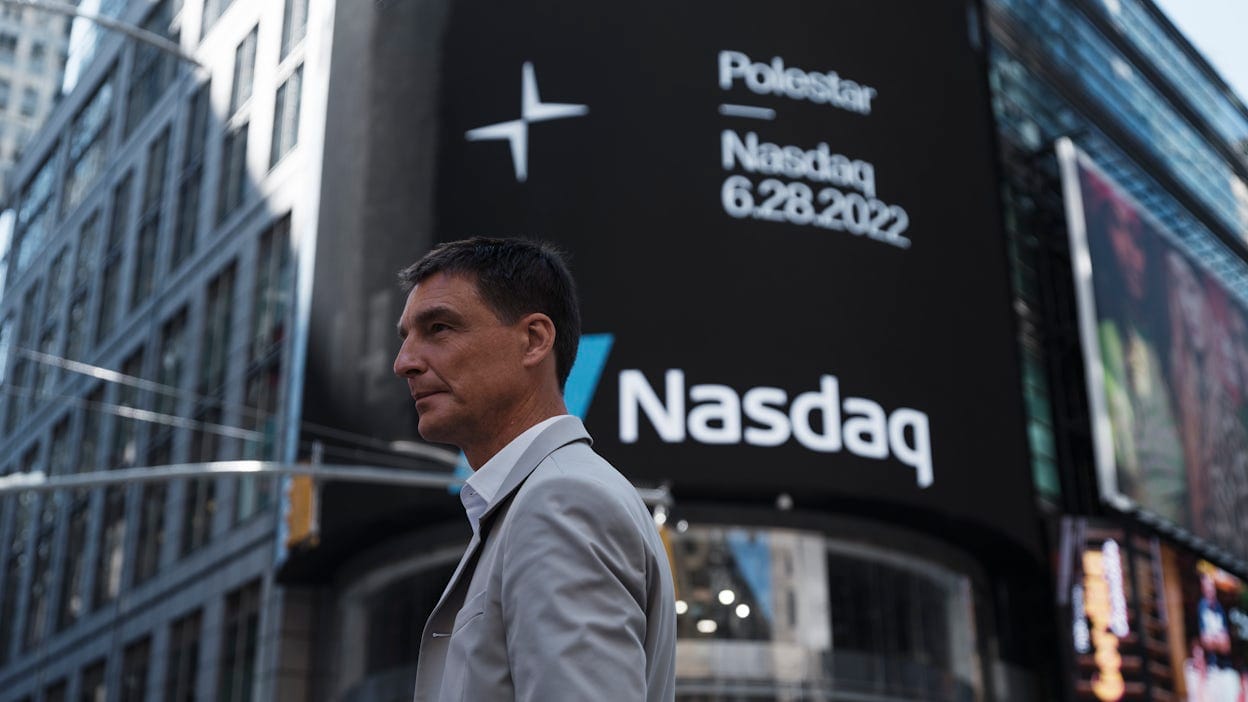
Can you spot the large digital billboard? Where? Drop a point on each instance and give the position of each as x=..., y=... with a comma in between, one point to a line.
x=1208, y=617
x=1149, y=619
x=784, y=223
x=1166, y=354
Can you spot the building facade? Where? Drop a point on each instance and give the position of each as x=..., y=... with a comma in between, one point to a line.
x=147, y=315
x=33, y=47
x=1138, y=463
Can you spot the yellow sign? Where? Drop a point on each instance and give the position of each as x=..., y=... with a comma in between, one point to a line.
x=1108, y=684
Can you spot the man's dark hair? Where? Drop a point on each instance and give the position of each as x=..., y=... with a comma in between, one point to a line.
x=514, y=277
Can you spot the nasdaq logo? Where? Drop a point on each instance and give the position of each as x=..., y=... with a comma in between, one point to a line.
x=766, y=416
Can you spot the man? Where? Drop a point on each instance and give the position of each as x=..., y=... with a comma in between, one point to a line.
x=565, y=591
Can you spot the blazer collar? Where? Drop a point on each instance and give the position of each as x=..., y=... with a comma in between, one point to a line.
x=565, y=431
x=562, y=432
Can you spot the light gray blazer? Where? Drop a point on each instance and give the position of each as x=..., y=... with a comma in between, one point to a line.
x=565, y=595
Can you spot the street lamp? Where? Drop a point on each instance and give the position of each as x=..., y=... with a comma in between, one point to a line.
x=38, y=481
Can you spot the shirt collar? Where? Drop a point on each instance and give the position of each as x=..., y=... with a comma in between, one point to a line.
x=482, y=486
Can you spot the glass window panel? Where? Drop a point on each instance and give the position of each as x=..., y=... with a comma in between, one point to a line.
x=92, y=685
x=286, y=116
x=231, y=188
x=240, y=632
x=294, y=24
x=135, y=662
x=88, y=145
x=182, y=667
x=111, y=553
x=244, y=70
x=153, y=70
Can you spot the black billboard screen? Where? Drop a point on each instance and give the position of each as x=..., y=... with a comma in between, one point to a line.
x=784, y=223
x=1166, y=353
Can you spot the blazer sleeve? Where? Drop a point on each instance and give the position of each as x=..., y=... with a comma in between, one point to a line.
x=573, y=594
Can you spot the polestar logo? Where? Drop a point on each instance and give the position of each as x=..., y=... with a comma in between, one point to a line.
x=516, y=131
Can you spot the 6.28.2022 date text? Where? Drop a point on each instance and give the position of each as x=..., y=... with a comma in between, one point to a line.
x=797, y=203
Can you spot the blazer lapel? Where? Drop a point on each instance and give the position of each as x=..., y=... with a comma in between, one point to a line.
x=563, y=432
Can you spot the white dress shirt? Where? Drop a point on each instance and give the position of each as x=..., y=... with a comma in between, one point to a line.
x=482, y=486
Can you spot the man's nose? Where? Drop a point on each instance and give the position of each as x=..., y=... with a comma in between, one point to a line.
x=407, y=362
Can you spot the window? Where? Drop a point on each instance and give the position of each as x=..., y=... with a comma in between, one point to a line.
x=110, y=299
x=212, y=11
x=273, y=290
x=199, y=504
x=255, y=493
x=88, y=242
x=38, y=57
x=6, y=338
x=151, y=531
x=79, y=323
x=186, y=226
x=286, y=116
x=134, y=665
x=153, y=69
x=231, y=188
x=108, y=559
x=110, y=292
x=26, y=371
x=8, y=47
x=88, y=446
x=40, y=598
x=294, y=24
x=272, y=294
x=33, y=212
x=237, y=673
x=70, y=603
x=88, y=145
x=124, y=450
x=5, y=89
x=244, y=70
x=171, y=361
x=58, y=280
x=61, y=451
x=45, y=372
x=8, y=599
x=93, y=689
x=215, y=339
x=30, y=102
x=149, y=219
x=56, y=691
x=183, y=664
x=206, y=445
x=19, y=393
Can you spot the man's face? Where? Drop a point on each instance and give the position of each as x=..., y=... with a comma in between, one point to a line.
x=462, y=364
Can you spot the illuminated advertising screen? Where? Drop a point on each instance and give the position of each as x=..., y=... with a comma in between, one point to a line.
x=1102, y=601
x=785, y=230
x=1208, y=616
x=1166, y=353
x=1148, y=619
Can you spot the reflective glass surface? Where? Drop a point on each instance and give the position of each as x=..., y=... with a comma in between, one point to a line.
x=777, y=614
x=1087, y=59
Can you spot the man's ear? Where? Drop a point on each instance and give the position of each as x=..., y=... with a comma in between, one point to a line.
x=539, y=338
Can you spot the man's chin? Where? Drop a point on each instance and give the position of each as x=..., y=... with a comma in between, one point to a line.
x=435, y=432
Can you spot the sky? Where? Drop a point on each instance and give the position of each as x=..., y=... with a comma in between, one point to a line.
x=1218, y=29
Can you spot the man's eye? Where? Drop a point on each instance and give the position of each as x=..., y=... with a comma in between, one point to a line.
x=437, y=327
